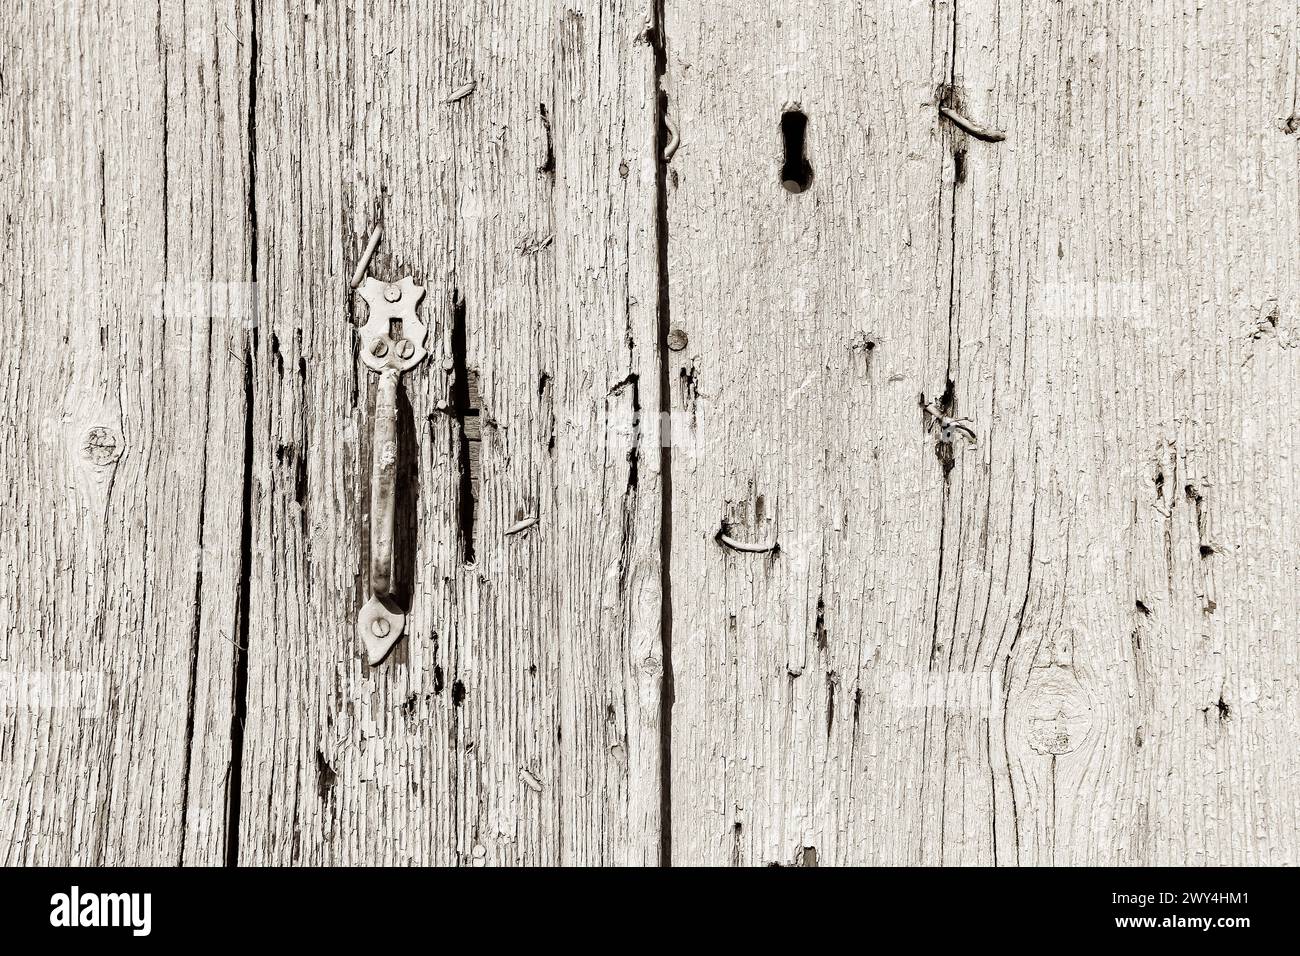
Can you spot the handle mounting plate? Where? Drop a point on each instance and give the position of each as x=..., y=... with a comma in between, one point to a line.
x=389, y=302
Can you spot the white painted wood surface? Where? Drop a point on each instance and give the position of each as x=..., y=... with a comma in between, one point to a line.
x=958, y=670
x=124, y=200
x=1072, y=640
x=1124, y=322
x=518, y=721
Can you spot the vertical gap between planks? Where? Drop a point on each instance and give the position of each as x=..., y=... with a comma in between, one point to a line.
x=659, y=45
x=234, y=782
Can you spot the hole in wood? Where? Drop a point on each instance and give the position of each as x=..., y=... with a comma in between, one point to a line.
x=796, y=171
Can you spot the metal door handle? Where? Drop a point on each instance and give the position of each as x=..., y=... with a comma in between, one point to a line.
x=383, y=485
x=380, y=623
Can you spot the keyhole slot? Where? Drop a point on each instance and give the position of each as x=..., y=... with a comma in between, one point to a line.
x=796, y=171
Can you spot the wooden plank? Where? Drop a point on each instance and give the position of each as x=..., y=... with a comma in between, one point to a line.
x=517, y=722
x=123, y=391
x=1069, y=639
x=1065, y=642
x=1114, y=550
x=814, y=322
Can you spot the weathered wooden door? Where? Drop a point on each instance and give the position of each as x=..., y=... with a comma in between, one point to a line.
x=853, y=433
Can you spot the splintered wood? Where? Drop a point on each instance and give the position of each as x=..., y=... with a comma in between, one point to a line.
x=852, y=433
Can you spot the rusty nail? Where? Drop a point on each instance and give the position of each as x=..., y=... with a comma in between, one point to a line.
x=979, y=132
x=677, y=340
x=673, y=139
x=753, y=548
x=521, y=525
x=364, y=262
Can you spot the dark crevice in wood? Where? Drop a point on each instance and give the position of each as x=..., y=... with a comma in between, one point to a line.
x=547, y=168
x=546, y=407
x=326, y=776
x=195, y=627
x=465, y=406
x=406, y=534
x=239, y=707
x=831, y=680
x=943, y=450
x=103, y=186
x=632, y=382
x=658, y=44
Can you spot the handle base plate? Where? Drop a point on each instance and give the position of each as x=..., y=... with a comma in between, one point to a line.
x=379, y=628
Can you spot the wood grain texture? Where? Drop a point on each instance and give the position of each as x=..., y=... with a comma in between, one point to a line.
x=1124, y=322
x=517, y=722
x=815, y=320
x=1069, y=642
x=124, y=208
x=1071, y=639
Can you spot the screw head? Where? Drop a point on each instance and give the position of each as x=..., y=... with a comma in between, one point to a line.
x=380, y=627
x=405, y=348
x=393, y=293
x=378, y=348
x=677, y=340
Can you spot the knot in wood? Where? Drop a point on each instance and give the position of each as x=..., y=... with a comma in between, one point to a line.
x=1053, y=715
x=652, y=665
x=101, y=446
